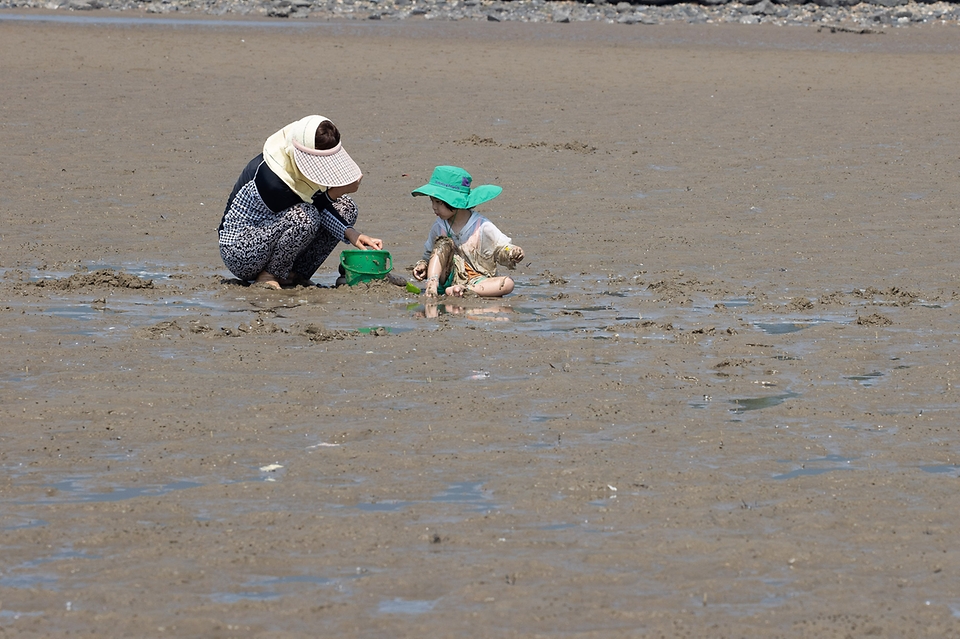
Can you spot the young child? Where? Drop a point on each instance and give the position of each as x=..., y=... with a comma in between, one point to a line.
x=463, y=248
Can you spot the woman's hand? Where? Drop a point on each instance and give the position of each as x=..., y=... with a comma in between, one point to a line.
x=362, y=241
x=365, y=241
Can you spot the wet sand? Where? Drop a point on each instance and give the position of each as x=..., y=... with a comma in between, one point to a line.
x=720, y=403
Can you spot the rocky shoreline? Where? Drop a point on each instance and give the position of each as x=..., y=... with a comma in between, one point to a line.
x=832, y=14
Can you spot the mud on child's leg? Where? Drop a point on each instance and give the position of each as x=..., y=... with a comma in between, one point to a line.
x=439, y=264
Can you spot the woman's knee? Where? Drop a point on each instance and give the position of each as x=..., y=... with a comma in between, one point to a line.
x=302, y=219
x=244, y=265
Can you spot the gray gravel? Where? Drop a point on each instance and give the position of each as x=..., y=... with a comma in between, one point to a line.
x=833, y=14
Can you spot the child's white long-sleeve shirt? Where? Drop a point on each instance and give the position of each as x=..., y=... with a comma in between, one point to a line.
x=480, y=243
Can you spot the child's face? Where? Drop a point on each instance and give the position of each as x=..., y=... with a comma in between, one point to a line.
x=441, y=209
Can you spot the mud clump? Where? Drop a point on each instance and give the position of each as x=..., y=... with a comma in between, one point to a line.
x=834, y=298
x=555, y=280
x=668, y=292
x=476, y=140
x=896, y=295
x=173, y=328
x=96, y=279
x=374, y=284
x=259, y=326
x=873, y=320
x=577, y=146
x=800, y=304
x=163, y=329
x=316, y=333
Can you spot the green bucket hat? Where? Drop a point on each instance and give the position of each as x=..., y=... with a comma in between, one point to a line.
x=451, y=184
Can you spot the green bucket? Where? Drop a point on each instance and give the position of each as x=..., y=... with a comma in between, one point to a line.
x=363, y=266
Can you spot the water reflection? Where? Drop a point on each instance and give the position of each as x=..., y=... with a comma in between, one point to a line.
x=433, y=310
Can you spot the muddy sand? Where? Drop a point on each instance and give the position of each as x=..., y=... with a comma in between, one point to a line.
x=721, y=402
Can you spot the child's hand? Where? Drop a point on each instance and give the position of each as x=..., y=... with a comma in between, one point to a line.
x=516, y=254
x=420, y=270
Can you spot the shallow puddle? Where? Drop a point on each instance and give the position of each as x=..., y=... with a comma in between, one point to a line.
x=14, y=614
x=46, y=582
x=26, y=574
x=949, y=469
x=582, y=306
x=406, y=606
x=237, y=597
x=759, y=403
x=466, y=494
x=866, y=380
x=20, y=523
x=470, y=494
x=119, y=312
x=267, y=588
x=808, y=472
x=816, y=466
x=387, y=505
x=780, y=328
x=79, y=489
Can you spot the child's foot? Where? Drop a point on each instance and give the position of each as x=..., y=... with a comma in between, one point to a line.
x=431, y=290
x=456, y=290
x=268, y=280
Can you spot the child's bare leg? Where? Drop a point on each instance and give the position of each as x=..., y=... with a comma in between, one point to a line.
x=434, y=271
x=492, y=287
x=438, y=266
x=432, y=284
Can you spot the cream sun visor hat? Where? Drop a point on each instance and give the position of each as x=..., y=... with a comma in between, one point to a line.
x=327, y=167
x=291, y=153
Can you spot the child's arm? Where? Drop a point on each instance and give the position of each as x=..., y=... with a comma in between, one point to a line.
x=508, y=255
x=504, y=253
x=420, y=268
